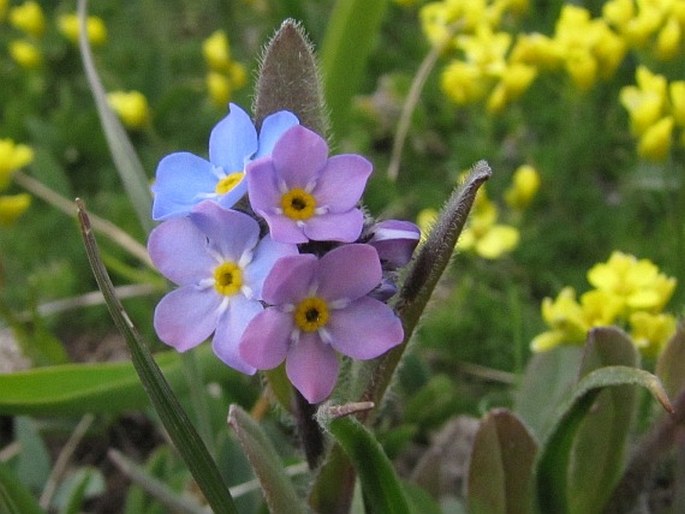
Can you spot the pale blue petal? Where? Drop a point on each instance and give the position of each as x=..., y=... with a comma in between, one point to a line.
x=229, y=330
x=233, y=141
x=266, y=254
x=230, y=233
x=272, y=129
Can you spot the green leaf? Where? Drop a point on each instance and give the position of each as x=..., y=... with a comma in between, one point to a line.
x=110, y=387
x=552, y=470
x=277, y=488
x=670, y=366
x=84, y=481
x=125, y=158
x=15, y=498
x=382, y=491
x=185, y=438
x=500, y=479
x=599, y=445
x=352, y=32
x=33, y=466
x=289, y=79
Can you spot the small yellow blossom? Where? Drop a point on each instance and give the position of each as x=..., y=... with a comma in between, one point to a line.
x=655, y=143
x=645, y=102
x=524, y=187
x=68, y=25
x=564, y=316
x=537, y=50
x=216, y=51
x=462, y=82
x=651, y=332
x=25, y=54
x=219, y=88
x=668, y=40
x=29, y=18
x=483, y=235
x=12, y=158
x=637, y=283
x=13, y=206
x=131, y=107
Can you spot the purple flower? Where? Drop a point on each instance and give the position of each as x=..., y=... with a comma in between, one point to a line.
x=304, y=195
x=320, y=306
x=217, y=259
x=184, y=179
x=395, y=241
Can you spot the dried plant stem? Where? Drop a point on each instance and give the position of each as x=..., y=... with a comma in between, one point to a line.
x=413, y=96
x=101, y=225
x=63, y=460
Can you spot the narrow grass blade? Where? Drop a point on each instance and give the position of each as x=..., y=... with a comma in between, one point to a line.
x=175, y=420
x=552, y=470
x=14, y=497
x=353, y=29
x=276, y=486
x=125, y=157
x=107, y=387
x=381, y=488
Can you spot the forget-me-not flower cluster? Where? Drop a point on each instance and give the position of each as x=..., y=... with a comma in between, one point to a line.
x=298, y=275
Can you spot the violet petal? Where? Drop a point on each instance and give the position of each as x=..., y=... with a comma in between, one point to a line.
x=312, y=367
x=266, y=339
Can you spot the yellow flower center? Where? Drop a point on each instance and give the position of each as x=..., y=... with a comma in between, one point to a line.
x=311, y=314
x=228, y=278
x=298, y=204
x=227, y=183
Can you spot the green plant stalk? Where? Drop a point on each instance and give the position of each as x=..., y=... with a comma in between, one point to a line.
x=353, y=28
x=14, y=497
x=187, y=441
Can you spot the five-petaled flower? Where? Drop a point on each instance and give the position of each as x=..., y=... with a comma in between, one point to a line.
x=318, y=307
x=216, y=258
x=183, y=179
x=303, y=194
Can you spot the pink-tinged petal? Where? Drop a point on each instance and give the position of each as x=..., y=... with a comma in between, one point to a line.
x=186, y=316
x=230, y=232
x=230, y=328
x=265, y=342
x=290, y=279
x=342, y=182
x=262, y=186
x=365, y=329
x=273, y=127
x=312, y=367
x=348, y=272
x=395, y=241
x=299, y=156
x=344, y=227
x=178, y=250
x=265, y=256
x=283, y=229
x=233, y=140
x=180, y=181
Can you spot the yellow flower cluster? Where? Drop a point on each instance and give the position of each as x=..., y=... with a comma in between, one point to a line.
x=628, y=292
x=655, y=108
x=131, y=107
x=484, y=68
x=484, y=234
x=29, y=19
x=224, y=75
x=68, y=26
x=12, y=158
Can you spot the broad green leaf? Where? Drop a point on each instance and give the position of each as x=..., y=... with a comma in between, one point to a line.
x=15, y=498
x=352, y=32
x=33, y=462
x=500, y=479
x=548, y=378
x=179, y=427
x=382, y=491
x=125, y=158
x=599, y=446
x=289, y=79
x=110, y=387
x=277, y=487
x=670, y=366
x=334, y=486
x=552, y=470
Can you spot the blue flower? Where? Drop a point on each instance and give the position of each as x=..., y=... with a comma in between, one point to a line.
x=183, y=179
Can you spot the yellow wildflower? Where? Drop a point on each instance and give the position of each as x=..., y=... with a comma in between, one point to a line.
x=637, y=283
x=13, y=206
x=68, y=25
x=582, y=67
x=564, y=315
x=650, y=332
x=462, y=82
x=537, y=49
x=25, y=54
x=216, y=51
x=655, y=143
x=668, y=40
x=645, y=102
x=12, y=158
x=131, y=107
x=219, y=88
x=483, y=235
x=29, y=18
x=524, y=187
x=600, y=308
